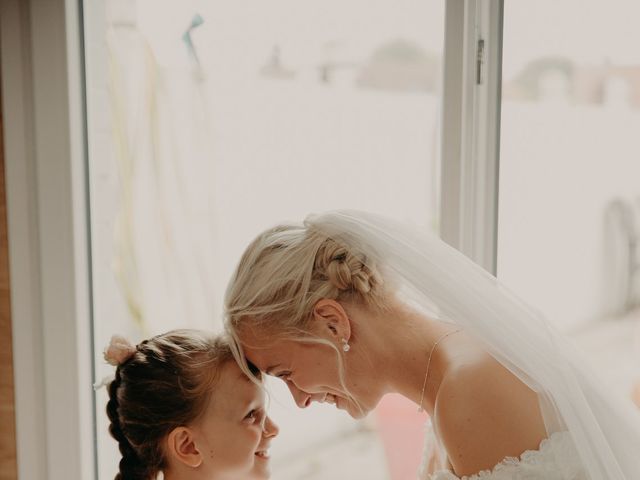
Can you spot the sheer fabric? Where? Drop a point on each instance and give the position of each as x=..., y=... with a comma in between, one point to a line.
x=604, y=430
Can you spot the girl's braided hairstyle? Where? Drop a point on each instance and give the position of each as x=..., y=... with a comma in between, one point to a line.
x=162, y=383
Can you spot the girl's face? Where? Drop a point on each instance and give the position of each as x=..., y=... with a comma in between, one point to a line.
x=235, y=431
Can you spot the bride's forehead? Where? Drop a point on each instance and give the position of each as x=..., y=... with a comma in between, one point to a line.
x=259, y=339
x=266, y=353
x=266, y=350
x=253, y=334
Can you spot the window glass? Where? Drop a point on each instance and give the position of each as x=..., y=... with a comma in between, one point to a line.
x=570, y=158
x=211, y=121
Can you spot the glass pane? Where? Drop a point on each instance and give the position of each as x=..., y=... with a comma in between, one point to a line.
x=210, y=121
x=570, y=166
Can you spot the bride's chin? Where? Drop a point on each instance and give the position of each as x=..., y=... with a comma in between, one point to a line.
x=355, y=412
x=358, y=415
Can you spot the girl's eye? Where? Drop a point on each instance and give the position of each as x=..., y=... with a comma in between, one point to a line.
x=284, y=375
x=252, y=416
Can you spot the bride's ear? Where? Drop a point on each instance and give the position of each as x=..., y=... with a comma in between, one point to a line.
x=331, y=319
x=181, y=446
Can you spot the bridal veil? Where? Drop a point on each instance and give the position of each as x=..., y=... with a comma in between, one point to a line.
x=451, y=288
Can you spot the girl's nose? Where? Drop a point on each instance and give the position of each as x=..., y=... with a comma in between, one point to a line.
x=270, y=429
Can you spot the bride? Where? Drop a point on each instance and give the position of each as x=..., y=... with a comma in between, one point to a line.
x=350, y=306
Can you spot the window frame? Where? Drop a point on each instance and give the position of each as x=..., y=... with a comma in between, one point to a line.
x=471, y=128
x=44, y=110
x=47, y=212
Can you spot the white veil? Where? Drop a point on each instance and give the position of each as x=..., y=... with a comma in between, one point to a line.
x=605, y=429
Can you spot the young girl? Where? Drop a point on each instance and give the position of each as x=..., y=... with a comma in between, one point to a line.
x=180, y=405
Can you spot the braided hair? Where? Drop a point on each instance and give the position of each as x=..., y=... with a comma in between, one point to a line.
x=131, y=467
x=161, y=384
x=287, y=269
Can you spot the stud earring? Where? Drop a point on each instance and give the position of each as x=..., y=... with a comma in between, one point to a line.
x=345, y=345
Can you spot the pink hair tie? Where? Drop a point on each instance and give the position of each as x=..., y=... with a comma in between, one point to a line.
x=119, y=351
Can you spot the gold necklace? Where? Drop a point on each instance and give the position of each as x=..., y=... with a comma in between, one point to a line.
x=426, y=375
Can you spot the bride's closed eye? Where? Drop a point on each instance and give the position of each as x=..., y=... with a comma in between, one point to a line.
x=283, y=375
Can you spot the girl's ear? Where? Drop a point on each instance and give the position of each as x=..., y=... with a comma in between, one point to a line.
x=331, y=320
x=182, y=448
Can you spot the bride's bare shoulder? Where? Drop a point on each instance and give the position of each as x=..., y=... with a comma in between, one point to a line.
x=484, y=413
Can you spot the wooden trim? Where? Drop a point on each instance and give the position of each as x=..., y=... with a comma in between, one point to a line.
x=8, y=459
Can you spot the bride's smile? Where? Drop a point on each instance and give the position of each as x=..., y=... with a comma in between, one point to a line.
x=317, y=369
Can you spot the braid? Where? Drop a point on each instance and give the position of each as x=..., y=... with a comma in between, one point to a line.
x=161, y=384
x=130, y=466
x=346, y=270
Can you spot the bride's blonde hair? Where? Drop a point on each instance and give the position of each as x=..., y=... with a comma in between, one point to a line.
x=282, y=275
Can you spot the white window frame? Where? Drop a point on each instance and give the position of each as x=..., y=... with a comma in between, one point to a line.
x=45, y=137
x=471, y=128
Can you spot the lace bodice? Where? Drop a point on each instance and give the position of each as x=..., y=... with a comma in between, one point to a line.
x=555, y=459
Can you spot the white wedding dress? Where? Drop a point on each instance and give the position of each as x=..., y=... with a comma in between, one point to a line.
x=555, y=459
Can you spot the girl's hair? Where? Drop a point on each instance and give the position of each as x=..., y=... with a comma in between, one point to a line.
x=165, y=382
x=285, y=271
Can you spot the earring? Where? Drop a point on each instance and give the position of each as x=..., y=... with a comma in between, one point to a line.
x=345, y=345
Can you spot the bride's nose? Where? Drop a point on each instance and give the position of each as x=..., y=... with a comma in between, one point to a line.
x=302, y=399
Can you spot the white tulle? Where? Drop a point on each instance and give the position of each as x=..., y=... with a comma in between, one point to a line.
x=604, y=429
